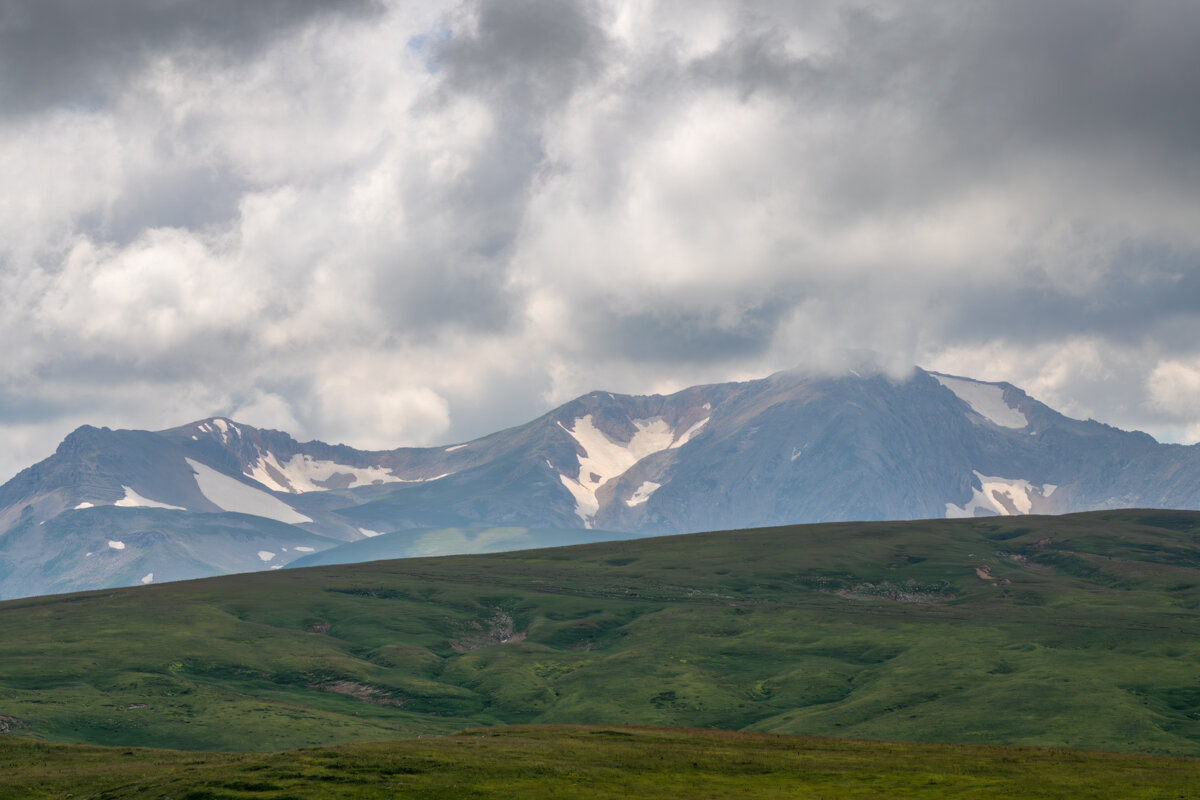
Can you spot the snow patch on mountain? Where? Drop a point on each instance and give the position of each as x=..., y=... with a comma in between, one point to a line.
x=303, y=473
x=85, y=504
x=134, y=500
x=148, y=578
x=603, y=459
x=985, y=399
x=1002, y=496
x=455, y=447
x=686, y=436
x=265, y=555
x=115, y=545
x=643, y=493
x=366, y=532
x=233, y=495
x=223, y=429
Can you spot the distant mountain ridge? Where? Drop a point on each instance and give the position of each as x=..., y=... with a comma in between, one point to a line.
x=789, y=448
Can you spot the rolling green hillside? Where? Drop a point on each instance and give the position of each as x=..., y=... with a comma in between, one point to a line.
x=1078, y=631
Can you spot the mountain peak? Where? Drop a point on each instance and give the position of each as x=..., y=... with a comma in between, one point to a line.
x=222, y=429
x=848, y=364
x=804, y=445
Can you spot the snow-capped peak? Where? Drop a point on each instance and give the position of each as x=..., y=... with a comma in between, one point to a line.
x=220, y=427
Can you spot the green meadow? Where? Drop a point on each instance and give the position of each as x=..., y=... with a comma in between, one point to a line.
x=609, y=762
x=1065, y=632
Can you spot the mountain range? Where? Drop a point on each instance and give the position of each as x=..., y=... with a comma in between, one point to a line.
x=122, y=507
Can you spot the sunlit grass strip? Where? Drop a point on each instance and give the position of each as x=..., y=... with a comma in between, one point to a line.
x=612, y=762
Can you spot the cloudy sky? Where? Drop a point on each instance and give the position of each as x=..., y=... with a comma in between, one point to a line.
x=389, y=223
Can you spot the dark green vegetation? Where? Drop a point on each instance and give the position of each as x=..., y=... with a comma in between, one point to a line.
x=531, y=763
x=1078, y=631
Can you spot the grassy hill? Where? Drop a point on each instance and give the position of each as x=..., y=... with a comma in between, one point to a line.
x=1078, y=631
x=611, y=762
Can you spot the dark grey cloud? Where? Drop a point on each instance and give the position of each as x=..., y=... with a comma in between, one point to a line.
x=675, y=334
x=525, y=55
x=949, y=93
x=77, y=53
x=456, y=290
x=1082, y=75
x=1147, y=290
x=194, y=197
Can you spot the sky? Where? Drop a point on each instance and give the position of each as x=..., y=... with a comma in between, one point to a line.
x=408, y=223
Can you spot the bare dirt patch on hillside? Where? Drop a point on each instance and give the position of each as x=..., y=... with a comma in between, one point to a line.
x=359, y=691
x=500, y=629
x=8, y=723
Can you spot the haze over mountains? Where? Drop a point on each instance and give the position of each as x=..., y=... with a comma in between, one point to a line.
x=121, y=507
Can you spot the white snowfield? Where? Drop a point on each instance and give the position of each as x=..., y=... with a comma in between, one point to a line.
x=148, y=577
x=115, y=545
x=687, y=435
x=366, y=532
x=233, y=495
x=134, y=500
x=1003, y=496
x=603, y=459
x=85, y=504
x=304, y=549
x=643, y=493
x=986, y=400
x=301, y=472
x=265, y=555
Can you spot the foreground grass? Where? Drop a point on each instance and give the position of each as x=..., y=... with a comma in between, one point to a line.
x=574, y=762
x=1076, y=631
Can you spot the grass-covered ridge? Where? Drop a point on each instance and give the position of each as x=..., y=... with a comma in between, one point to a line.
x=1076, y=631
x=609, y=762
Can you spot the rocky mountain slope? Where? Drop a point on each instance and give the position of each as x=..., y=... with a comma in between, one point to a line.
x=119, y=507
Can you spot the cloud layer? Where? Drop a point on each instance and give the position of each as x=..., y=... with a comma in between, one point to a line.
x=394, y=223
